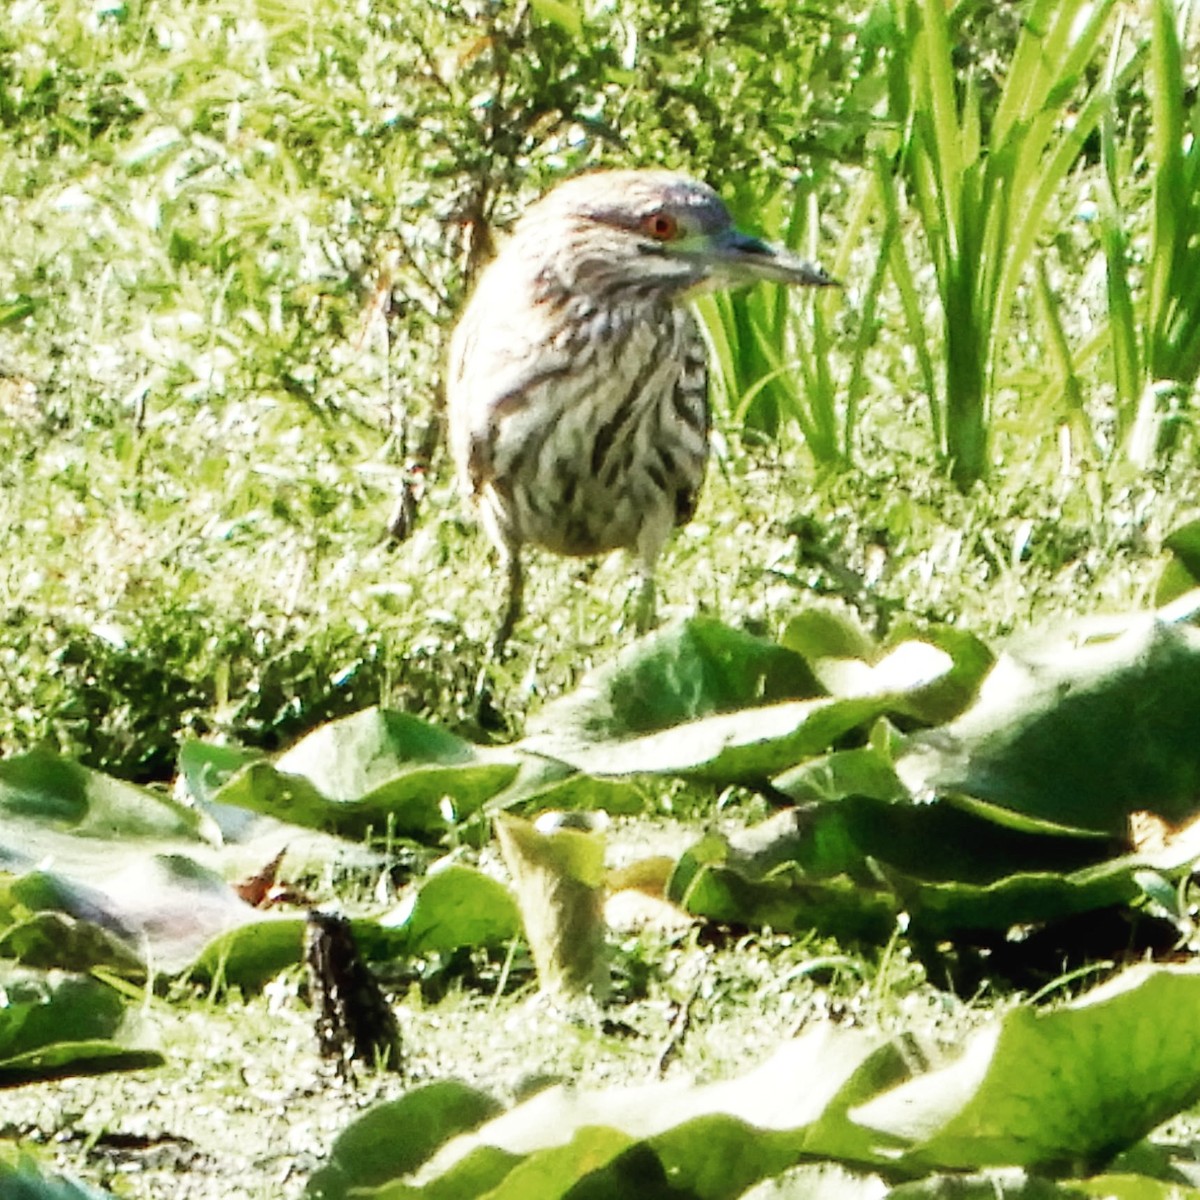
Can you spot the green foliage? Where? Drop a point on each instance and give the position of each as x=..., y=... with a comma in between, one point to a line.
x=981, y=189
x=1156, y=338
x=54, y=1024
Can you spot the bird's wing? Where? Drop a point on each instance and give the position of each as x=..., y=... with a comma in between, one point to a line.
x=690, y=402
x=494, y=371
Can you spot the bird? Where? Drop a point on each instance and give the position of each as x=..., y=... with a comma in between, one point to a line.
x=577, y=381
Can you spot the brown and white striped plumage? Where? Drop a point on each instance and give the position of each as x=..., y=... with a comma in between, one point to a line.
x=577, y=389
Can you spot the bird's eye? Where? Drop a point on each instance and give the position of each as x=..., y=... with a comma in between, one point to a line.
x=661, y=226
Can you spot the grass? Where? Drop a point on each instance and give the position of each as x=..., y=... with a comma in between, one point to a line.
x=206, y=423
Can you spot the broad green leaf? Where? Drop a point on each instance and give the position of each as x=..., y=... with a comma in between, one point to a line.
x=67, y=1059
x=453, y=906
x=817, y=633
x=712, y=1140
x=159, y=911
x=1134, y=1187
x=820, y=1181
x=784, y=899
x=938, y=670
x=252, y=953
x=709, y=702
x=597, y=1162
x=205, y=766
x=738, y=747
x=1182, y=572
x=367, y=1153
x=374, y=771
x=54, y=939
x=1077, y=736
x=54, y=1024
x=834, y=1135
x=681, y=674
x=849, y=868
x=40, y=788
x=1036, y=1089
x=40, y=1008
x=866, y=771
x=355, y=755
x=941, y=697
x=543, y=783
x=1031, y=1089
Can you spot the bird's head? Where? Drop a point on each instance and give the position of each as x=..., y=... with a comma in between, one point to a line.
x=653, y=231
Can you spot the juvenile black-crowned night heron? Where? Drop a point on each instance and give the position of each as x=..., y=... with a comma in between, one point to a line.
x=578, y=390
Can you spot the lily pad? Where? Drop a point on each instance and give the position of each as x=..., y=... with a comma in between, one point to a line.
x=54, y=1024
x=43, y=788
x=680, y=674
x=1037, y=1089
x=708, y=702
x=454, y=906
x=373, y=771
x=367, y=1153
x=1077, y=736
x=23, y=1181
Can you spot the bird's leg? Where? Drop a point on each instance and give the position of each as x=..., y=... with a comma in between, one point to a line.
x=511, y=560
x=647, y=594
x=649, y=545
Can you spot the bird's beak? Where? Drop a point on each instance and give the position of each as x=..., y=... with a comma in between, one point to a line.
x=734, y=257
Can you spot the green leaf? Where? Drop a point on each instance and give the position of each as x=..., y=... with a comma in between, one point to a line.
x=559, y=879
x=454, y=906
x=683, y=673
x=374, y=771
x=740, y=747
x=716, y=881
x=1036, y=1089
x=1182, y=572
x=988, y=1185
x=712, y=1140
x=25, y=1182
x=44, y=789
x=543, y=784
x=849, y=868
x=1134, y=1187
x=867, y=771
x=367, y=1153
x=53, y=1025
x=54, y=939
x=252, y=953
x=68, y=1059
x=1075, y=736
x=204, y=767
x=709, y=702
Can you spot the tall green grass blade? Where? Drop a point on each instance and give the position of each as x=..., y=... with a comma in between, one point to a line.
x=1122, y=318
x=910, y=300
x=1059, y=350
x=1173, y=317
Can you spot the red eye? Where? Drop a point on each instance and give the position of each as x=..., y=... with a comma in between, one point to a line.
x=661, y=226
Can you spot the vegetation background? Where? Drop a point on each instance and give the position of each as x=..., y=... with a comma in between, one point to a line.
x=233, y=238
